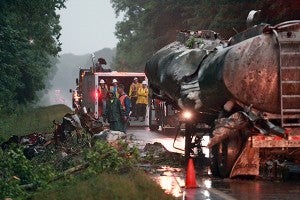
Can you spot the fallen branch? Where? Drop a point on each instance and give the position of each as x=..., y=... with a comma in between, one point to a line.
x=70, y=171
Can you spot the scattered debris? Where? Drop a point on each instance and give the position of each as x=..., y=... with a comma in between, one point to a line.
x=32, y=143
x=280, y=170
x=109, y=136
x=61, y=137
x=157, y=154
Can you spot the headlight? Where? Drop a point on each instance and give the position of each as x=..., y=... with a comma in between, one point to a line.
x=187, y=115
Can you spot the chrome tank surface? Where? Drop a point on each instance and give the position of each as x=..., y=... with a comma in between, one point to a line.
x=251, y=73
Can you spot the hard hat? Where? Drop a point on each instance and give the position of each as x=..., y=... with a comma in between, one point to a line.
x=102, y=81
x=114, y=81
x=135, y=78
x=144, y=83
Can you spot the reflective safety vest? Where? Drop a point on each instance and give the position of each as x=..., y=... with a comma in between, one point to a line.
x=142, y=96
x=123, y=104
x=122, y=100
x=114, y=89
x=133, y=89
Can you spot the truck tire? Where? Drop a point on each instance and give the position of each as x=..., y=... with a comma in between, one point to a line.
x=224, y=156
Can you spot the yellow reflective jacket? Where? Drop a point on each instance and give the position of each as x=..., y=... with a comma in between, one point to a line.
x=142, y=96
x=133, y=89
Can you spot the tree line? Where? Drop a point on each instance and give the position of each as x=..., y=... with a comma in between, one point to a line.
x=149, y=25
x=29, y=42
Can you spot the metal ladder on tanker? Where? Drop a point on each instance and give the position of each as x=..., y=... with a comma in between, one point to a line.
x=289, y=78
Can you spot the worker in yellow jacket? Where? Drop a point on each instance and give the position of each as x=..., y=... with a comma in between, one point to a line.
x=142, y=101
x=135, y=85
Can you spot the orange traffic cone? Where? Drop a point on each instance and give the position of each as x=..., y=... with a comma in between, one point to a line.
x=190, y=180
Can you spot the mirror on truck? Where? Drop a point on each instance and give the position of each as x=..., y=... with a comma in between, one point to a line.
x=77, y=82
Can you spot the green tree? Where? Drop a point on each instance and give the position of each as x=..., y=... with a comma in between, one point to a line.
x=29, y=39
x=146, y=27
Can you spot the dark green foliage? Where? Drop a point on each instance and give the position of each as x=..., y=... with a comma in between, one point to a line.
x=48, y=169
x=149, y=25
x=29, y=33
x=105, y=158
x=16, y=171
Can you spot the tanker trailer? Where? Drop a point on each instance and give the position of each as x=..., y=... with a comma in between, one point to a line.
x=245, y=90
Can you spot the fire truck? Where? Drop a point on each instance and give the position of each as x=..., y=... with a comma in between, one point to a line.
x=87, y=93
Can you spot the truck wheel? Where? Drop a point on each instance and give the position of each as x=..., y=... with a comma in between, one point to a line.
x=224, y=155
x=227, y=153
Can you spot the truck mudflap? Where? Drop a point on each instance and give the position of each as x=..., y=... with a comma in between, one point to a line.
x=247, y=163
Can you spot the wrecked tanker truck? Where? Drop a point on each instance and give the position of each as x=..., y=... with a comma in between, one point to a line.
x=244, y=92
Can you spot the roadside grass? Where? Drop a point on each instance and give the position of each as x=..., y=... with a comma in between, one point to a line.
x=30, y=121
x=132, y=185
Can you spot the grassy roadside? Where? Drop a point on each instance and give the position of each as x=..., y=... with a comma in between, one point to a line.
x=132, y=185
x=29, y=121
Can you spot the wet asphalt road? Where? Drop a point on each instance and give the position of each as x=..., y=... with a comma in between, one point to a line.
x=172, y=180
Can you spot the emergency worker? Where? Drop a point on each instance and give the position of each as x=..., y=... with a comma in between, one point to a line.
x=135, y=85
x=102, y=96
x=114, y=112
x=126, y=105
x=142, y=100
x=114, y=87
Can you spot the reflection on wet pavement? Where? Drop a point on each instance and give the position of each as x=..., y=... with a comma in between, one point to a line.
x=170, y=179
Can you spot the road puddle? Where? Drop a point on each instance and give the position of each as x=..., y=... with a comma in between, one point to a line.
x=170, y=179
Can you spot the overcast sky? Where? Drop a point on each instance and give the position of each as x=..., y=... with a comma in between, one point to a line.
x=87, y=26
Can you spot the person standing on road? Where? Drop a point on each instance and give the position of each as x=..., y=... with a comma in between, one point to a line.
x=142, y=100
x=102, y=96
x=135, y=85
x=114, y=112
x=126, y=104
